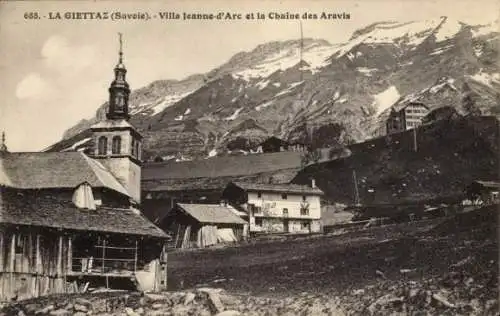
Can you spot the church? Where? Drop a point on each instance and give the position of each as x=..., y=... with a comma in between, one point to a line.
x=70, y=221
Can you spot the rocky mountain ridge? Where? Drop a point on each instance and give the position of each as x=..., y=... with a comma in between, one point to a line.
x=271, y=91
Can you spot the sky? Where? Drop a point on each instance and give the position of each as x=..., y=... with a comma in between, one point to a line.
x=54, y=72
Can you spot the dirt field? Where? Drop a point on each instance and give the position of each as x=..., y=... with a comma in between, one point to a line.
x=352, y=263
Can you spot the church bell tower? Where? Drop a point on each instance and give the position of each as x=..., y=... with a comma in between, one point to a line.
x=119, y=91
x=117, y=144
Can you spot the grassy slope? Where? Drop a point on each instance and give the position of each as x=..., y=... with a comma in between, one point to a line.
x=450, y=155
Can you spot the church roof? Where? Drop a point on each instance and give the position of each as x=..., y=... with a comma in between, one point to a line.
x=51, y=170
x=22, y=207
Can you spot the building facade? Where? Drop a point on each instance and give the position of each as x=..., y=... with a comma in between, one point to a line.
x=277, y=208
x=406, y=117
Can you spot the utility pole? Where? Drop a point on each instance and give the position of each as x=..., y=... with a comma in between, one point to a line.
x=415, y=145
x=356, y=191
x=301, y=51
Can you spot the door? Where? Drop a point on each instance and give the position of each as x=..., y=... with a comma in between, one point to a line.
x=286, y=227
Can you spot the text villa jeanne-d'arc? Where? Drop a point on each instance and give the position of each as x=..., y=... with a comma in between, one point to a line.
x=222, y=15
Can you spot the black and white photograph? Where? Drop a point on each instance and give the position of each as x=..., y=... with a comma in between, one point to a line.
x=233, y=158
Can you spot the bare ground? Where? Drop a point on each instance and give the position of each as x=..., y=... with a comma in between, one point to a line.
x=454, y=259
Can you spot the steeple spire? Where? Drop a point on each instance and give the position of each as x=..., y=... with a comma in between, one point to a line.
x=119, y=90
x=121, y=46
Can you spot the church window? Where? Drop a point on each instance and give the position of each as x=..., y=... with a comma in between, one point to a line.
x=132, y=148
x=116, y=145
x=102, y=147
x=137, y=150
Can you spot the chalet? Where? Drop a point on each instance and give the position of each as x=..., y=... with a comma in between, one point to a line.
x=283, y=208
x=406, y=117
x=203, y=225
x=70, y=218
x=202, y=181
x=484, y=192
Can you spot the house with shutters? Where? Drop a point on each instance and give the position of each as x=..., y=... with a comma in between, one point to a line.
x=406, y=116
x=70, y=219
x=277, y=208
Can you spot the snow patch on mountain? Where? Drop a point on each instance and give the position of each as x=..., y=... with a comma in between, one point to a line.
x=169, y=100
x=316, y=56
x=385, y=99
x=289, y=89
x=486, y=78
x=447, y=29
x=159, y=106
x=262, y=84
x=447, y=83
x=409, y=33
x=481, y=30
x=441, y=50
x=366, y=71
x=234, y=115
x=263, y=105
x=212, y=153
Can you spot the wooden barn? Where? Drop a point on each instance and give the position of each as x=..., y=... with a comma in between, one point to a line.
x=203, y=225
x=66, y=223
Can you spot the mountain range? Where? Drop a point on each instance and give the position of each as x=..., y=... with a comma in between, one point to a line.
x=296, y=89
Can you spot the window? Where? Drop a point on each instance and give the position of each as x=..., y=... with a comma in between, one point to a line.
x=137, y=149
x=258, y=222
x=116, y=146
x=132, y=147
x=285, y=211
x=259, y=194
x=304, y=211
x=102, y=145
x=284, y=196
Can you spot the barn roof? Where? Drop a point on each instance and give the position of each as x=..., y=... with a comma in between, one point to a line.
x=489, y=184
x=222, y=166
x=280, y=188
x=404, y=104
x=22, y=207
x=50, y=170
x=212, y=213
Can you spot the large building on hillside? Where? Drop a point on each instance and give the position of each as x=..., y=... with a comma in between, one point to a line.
x=406, y=117
x=69, y=219
x=277, y=208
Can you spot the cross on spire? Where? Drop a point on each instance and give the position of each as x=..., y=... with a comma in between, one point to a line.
x=121, y=48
